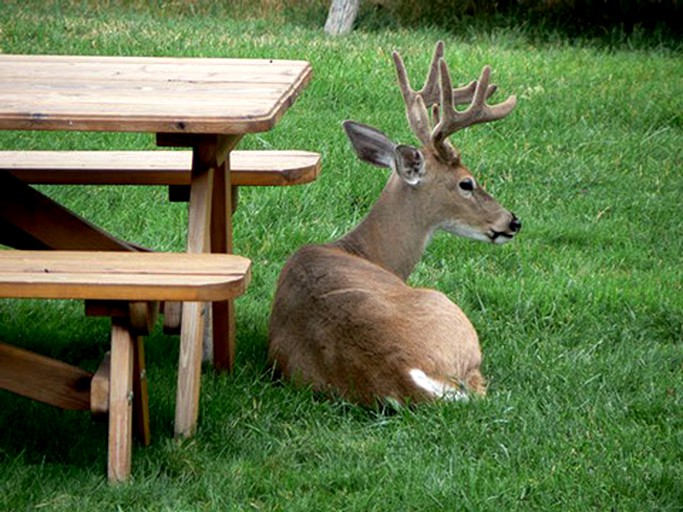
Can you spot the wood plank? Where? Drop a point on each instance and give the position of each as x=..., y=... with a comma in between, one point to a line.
x=203, y=92
x=115, y=75
x=142, y=316
x=142, y=69
x=120, y=402
x=44, y=379
x=140, y=393
x=172, y=316
x=99, y=387
x=122, y=276
x=223, y=312
x=192, y=319
x=12, y=236
x=131, y=104
x=189, y=369
x=142, y=263
x=45, y=220
x=134, y=287
x=119, y=120
x=248, y=168
x=199, y=208
x=130, y=121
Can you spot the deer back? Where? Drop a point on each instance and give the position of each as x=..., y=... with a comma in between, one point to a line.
x=359, y=331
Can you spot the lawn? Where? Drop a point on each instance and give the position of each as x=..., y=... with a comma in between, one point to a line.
x=580, y=317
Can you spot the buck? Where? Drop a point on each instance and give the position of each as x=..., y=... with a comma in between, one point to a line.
x=344, y=321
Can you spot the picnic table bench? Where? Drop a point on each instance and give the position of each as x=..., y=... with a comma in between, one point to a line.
x=125, y=286
x=172, y=168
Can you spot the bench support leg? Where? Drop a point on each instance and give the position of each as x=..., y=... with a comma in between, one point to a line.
x=189, y=369
x=140, y=393
x=120, y=401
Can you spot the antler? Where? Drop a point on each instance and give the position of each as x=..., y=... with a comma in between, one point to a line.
x=439, y=95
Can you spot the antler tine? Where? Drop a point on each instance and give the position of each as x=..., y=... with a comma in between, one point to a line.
x=464, y=95
x=415, y=110
x=431, y=91
x=438, y=95
x=419, y=102
x=478, y=111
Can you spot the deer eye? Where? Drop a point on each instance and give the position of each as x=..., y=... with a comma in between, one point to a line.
x=467, y=185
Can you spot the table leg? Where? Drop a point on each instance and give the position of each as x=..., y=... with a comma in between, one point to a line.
x=209, y=229
x=192, y=319
x=223, y=313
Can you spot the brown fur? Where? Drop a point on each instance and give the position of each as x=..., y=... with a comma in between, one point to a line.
x=347, y=326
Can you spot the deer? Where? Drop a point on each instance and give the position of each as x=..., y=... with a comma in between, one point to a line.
x=344, y=322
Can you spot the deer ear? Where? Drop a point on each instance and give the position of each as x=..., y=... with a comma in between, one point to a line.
x=371, y=145
x=410, y=164
x=375, y=148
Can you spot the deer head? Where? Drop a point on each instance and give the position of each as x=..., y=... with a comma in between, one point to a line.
x=445, y=193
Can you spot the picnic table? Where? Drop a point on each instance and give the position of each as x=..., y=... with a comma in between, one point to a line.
x=204, y=104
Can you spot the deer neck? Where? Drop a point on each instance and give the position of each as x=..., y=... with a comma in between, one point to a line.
x=392, y=235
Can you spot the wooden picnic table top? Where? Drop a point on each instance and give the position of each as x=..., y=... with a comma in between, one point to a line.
x=147, y=94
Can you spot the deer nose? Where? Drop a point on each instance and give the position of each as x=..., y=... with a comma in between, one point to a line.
x=515, y=224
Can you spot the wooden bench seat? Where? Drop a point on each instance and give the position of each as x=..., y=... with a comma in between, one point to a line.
x=171, y=168
x=126, y=287
x=161, y=167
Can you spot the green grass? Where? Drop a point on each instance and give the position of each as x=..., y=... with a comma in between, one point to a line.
x=580, y=318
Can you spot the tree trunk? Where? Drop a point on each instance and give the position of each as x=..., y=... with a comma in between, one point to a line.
x=341, y=17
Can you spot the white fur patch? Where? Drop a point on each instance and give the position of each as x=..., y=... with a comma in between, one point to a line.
x=436, y=388
x=464, y=231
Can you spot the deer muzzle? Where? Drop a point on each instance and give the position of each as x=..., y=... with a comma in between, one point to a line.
x=501, y=237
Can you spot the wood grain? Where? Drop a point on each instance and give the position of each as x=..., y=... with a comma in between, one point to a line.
x=189, y=369
x=43, y=219
x=120, y=402
x=147, y=94
x=44, y=379
x=174, y=168
x=122, y=276
x=99, y=387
